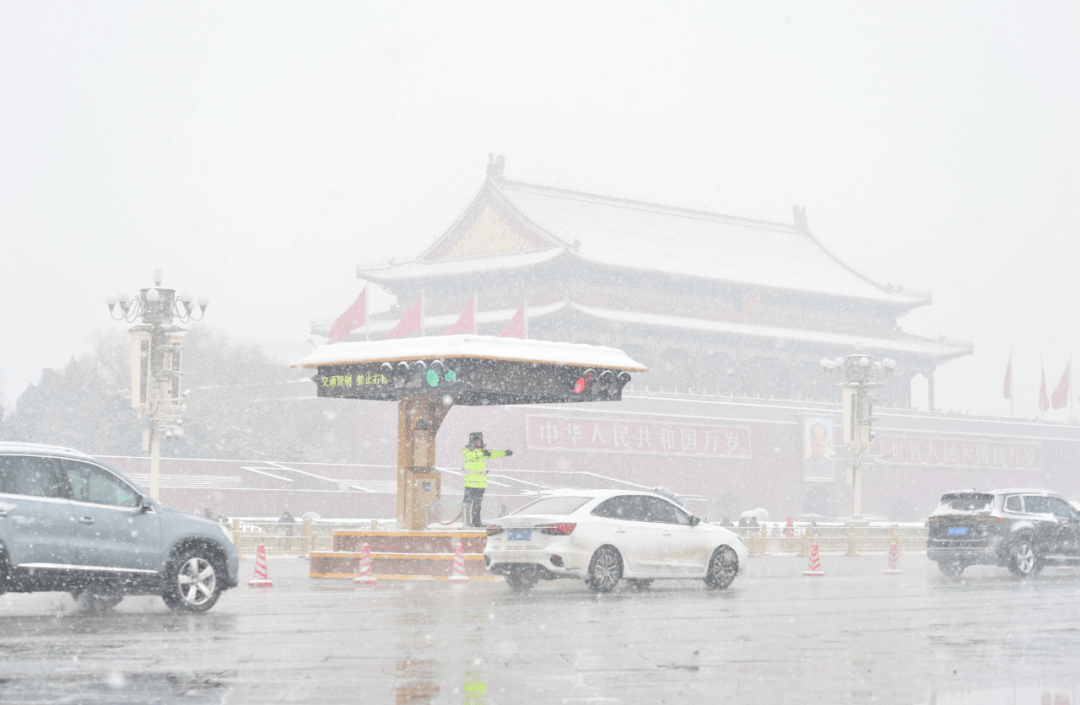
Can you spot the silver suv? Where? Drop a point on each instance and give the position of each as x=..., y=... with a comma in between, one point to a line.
x=71, y=523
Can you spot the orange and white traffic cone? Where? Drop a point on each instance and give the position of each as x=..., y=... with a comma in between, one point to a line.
x=815, y=562
x=457, y=575
x=364, y=577
x=261, y=579
x=894, y=561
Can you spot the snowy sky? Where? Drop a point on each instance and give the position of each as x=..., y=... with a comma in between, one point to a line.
x=258, y=151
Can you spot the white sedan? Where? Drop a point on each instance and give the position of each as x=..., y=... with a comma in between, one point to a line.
x=603, y=536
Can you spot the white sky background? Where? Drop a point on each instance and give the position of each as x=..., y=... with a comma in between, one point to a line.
x=257, y=152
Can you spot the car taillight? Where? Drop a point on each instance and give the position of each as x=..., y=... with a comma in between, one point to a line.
x=492, y=530
x=557, y=529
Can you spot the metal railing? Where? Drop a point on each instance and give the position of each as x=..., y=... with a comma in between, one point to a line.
x=769, y=539
x=774, y=539
x=300, y=538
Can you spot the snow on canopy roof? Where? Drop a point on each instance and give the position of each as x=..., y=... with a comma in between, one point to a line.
x=487, y=347
x=617, y=232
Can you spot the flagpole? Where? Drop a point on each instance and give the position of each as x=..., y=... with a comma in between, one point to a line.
x=475, y=315
x=1072, y=419
x=367, y=308
x=421, y=313
x=1042, y=389
x=525, y=316
x=1012, y=394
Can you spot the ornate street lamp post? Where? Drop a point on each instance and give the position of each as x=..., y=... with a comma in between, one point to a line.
x=156, y=346
x=860, y=376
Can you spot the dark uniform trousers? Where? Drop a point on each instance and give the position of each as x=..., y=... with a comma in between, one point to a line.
x=474, y=498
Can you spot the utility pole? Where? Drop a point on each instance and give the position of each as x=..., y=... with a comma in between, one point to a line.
x=859, y=375
x=156, y=347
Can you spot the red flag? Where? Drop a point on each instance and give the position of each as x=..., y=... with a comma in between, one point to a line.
x=515, y=328
x=1008, y=379
x=1044, y=401
x=353, y=318
x=1061, y=391
x=411, y=322
x=466, y=322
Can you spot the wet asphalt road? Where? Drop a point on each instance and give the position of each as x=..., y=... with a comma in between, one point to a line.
x=854, y=636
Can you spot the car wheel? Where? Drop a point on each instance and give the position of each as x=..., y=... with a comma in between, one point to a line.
x=638, y=584
x=89, y=601
x=723, y=567
x=522, y=578
x=952, y=569
x=1024, y=560
x=191, y=581
x=605, y=570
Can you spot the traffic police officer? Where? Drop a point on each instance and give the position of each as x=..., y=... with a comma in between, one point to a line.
x=476, y=456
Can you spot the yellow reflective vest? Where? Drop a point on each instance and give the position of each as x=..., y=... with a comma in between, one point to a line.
x=475, y=465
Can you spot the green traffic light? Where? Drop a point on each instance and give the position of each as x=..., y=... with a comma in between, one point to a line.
x=432, y=378
x=450, y=376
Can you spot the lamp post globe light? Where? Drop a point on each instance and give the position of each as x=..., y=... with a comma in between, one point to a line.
x=156, y=361
x=859, y=376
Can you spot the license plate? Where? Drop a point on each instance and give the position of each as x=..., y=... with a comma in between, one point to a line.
x=519, y=535
x=958, y=531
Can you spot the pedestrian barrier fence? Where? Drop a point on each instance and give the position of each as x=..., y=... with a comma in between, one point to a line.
x=769, y=539
x=300, y=538
x=852, y=539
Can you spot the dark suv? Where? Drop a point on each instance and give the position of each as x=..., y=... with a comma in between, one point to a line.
x=1022, y=530
x=73, y=524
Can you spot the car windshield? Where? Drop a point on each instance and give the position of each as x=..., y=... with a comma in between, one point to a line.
x=966, y=503
x=553, y=505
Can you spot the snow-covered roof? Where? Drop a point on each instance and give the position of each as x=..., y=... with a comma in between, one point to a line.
x=12, y=447
x=613, y=232
x=440, y=268
x=904, y=344
x=485, y=347
x=909, y=344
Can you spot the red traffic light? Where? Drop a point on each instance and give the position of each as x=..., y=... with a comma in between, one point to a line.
x=583, y=382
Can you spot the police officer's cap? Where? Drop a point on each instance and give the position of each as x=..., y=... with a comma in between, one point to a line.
x=476, y=436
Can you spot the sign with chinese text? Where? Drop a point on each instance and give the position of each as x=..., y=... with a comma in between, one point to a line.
x=354, y=381
x=469, y=381
x=644, y=437
x=977, y=453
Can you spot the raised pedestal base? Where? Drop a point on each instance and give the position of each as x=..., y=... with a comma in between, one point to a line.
x=402, y=555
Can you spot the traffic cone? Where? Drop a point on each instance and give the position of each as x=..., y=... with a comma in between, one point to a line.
x=815, y=562
x=894, y=561
x=261, y=578
x=457, y=575
x=364, y=577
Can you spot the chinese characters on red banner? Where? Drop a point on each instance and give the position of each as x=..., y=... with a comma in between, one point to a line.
x=967, y=453
x=599, y=435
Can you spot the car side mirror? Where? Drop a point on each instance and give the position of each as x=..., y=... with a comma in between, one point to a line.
x=694, y=521
x=144, y=506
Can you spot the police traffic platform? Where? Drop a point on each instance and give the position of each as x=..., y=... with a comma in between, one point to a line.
x=426, y=377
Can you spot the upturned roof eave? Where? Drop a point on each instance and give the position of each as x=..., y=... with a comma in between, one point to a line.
x=467, y=266
x=900, y=302
x=941, y=350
